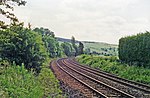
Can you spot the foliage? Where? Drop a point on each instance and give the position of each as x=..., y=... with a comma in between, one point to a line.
x=44, y=32
x=72, y=49
x=80, y=49
x=73, y=42
x=97, y=48
x=135, y=49
x=49, y=83
x=8, y=4
x=19, y=45
x=67, y=48
x=17, y=82
x=50, y=42
x=52, y=46
x=111, y=65
x=87, y=51
x=22, y=45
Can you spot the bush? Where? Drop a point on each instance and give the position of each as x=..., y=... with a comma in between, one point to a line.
x=22, y=45
x=49, y=83
x=135, y=49
x=17, y=82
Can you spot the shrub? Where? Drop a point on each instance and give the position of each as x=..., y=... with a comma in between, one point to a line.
x=17, y=82
x=135, y=49
x=22, y=45
x=49, y=83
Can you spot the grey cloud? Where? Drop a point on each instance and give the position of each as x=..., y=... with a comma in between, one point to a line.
x=99, y=20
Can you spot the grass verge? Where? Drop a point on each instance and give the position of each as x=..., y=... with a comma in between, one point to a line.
x=17, y=82
x=111, y=65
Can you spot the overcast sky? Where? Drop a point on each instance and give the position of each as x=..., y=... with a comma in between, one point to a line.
x=92, y=20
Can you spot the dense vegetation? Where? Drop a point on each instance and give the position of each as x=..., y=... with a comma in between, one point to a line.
x=72, y=48
x=50, y=42
x=24, y=58
x=96, y=48
x=67, y=49
x=111, y=65
x=135, y=49
x=17, y=82
x=22, y=45
x=25, y=54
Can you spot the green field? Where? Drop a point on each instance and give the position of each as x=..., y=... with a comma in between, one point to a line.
x=98, y=48
x=101, y=47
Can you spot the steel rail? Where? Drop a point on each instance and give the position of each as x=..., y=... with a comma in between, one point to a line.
x=126, y=82
x=117, y=90
x=93, y=89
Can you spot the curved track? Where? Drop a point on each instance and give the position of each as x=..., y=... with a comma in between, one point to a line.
x=100, y=83
x=139, y=86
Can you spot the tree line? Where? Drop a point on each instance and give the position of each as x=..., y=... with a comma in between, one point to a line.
x=33, y=47
x=73, y=48
x=135, y=49
x=25, y=54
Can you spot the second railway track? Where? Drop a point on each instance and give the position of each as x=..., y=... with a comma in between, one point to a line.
x=139, y=86
x=98, y=86
x=133, y=88
x=109, y=85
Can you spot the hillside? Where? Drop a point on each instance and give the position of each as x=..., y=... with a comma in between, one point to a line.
x=65, y=40
x=99, y=48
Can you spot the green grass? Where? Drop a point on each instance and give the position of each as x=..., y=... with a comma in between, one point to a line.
x=50, y=84
x=111, y=65
x=17, y=82
x=96, y=46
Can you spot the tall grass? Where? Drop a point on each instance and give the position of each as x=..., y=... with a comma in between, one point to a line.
x=111, y=65
x=17, y=82
x=49, y=84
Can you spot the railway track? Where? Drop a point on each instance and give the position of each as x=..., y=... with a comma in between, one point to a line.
x=138, y=86
x=99, y=88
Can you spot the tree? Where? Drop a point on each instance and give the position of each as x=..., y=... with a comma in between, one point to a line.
x=50, y=42
x=8, y=4
x=80, y=49
x=44, y=32
x=135, y=49
x=87, y=51
x=22, y=45
x=67, y=48
x=73, y=41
